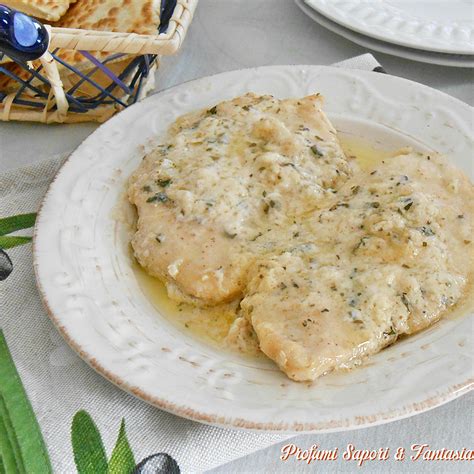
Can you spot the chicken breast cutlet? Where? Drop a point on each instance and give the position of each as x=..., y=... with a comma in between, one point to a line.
x=226, y=186
x=386, y=258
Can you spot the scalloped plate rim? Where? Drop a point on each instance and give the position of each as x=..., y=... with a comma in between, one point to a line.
x=451, y=393
x=393, y=49
x=396, y=36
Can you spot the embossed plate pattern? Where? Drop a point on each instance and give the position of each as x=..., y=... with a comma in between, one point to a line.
x=443, y=59
x=85, y=277
x=444, y=26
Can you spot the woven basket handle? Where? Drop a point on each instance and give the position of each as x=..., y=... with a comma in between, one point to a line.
x=166, y=12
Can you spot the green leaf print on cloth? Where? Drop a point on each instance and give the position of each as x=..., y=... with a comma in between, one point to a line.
x=89, y=452
x=14, y=223
x=22, y=449
x=90, y=456
x=122, y=460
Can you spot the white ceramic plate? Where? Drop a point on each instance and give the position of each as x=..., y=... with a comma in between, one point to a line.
x=443, y=59
x=85, y=277
x=444, y=26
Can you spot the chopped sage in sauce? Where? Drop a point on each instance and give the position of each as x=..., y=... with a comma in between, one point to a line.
x=158, y=197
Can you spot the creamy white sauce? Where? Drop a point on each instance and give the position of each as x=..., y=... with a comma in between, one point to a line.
x=214, y=324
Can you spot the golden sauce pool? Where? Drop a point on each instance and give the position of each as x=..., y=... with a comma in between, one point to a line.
x=365, y=154
x=210, y=325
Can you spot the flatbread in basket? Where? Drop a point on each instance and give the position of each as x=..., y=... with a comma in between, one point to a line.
x=51, y=10
x=127, y=16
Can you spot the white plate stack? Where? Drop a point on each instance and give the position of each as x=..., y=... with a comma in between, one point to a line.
x=430, y=31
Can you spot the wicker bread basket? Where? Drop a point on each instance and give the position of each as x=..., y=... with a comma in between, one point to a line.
x=43, y=94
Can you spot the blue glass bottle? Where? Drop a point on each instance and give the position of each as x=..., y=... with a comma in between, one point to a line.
x=21, y=37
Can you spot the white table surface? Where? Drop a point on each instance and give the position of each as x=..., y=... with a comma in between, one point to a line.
x=235, y=34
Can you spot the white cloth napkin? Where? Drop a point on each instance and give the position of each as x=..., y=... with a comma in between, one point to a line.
x=365, y=62
x=59, y=383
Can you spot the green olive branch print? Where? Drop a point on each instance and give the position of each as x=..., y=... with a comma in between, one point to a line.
x=7, y=226
x=22, y=449
x=89, y=451
x=90, y=456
